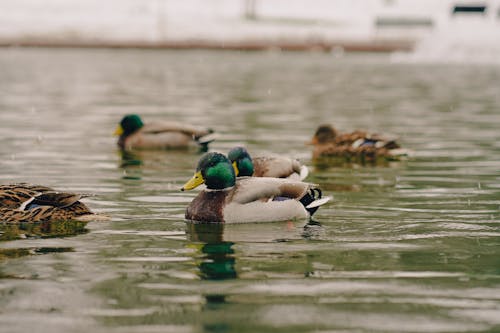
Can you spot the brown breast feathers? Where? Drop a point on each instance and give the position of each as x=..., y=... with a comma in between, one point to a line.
x=208, y=206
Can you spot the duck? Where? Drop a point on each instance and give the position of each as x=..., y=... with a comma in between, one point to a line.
x=266, y=166
x=328, y=142
x=247, y=199
x=133, y=133
x=30, y=203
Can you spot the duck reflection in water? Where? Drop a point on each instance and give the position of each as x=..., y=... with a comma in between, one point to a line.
x=131, y=163
x=217, y=260
x=8, y=253
x=313, y=230
x=44, y=229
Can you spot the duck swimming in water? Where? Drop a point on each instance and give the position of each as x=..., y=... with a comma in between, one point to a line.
x=34, y=203
x=266, y=166
x=248, y=199
x=134, y=134
x=328, y=142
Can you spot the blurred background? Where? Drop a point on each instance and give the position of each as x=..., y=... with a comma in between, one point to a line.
x=328, y=25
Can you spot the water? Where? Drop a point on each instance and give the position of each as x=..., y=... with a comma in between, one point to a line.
x=405, y=247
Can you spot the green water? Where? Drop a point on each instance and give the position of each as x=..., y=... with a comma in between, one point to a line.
x=404, y=247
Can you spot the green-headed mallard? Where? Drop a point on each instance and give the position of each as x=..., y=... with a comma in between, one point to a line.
x=35, y=203
x=328, y=142
x=248, y=199
x=266, y=166
x=134, y=134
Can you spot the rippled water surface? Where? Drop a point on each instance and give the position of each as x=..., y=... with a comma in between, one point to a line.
x=405, y=247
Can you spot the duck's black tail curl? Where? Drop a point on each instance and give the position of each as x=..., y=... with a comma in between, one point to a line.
x=311, y=195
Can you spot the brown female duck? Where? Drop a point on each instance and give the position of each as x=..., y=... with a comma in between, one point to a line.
x=34, y=203
x=328, y=142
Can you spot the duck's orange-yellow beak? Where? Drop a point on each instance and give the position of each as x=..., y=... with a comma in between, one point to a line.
x=236, y=170
x=194, y=182
x=118, y=131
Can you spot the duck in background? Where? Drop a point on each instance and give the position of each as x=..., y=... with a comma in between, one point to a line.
x=248, y=199
x=357, y=145
x=266, y=166
x=23, y=202
x=134, y=134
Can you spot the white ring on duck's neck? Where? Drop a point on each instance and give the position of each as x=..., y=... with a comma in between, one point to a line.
x=215, y=190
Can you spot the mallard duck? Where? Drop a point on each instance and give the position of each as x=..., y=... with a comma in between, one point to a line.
x=248, y=199
x=35, y=203
x=266, y=166
x=328, y=142
x=134, y=134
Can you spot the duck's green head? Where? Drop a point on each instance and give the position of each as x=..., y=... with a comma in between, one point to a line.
x=214, y=170
x=129, y=124
x=241, y=160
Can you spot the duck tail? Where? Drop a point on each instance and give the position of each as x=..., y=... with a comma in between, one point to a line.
x=401, y=153
x=313, y=199
x=392, y=144
x=204, y=140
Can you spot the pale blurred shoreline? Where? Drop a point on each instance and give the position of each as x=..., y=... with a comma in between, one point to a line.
x=242, y=45
x=411, y=30
x=288, y=25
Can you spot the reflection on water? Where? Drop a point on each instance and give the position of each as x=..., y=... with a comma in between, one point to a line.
x=324, y=163
x=131, y=162
x=10, y=231
x=20, y=252
x=131, y=159
x=217, y=262
x=409, y=246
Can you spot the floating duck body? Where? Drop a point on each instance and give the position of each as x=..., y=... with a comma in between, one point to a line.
x=266, y=166
x=248, y=199
x=134, y=134
x=34, y=203
x=358, y=144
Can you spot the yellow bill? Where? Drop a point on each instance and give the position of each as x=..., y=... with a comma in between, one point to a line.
x=118, y=131
x=194, y=182
x=236, y=170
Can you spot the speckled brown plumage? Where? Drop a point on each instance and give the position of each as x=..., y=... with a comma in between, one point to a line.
x=13, y=195
x=328, y=142
x=35, y=203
